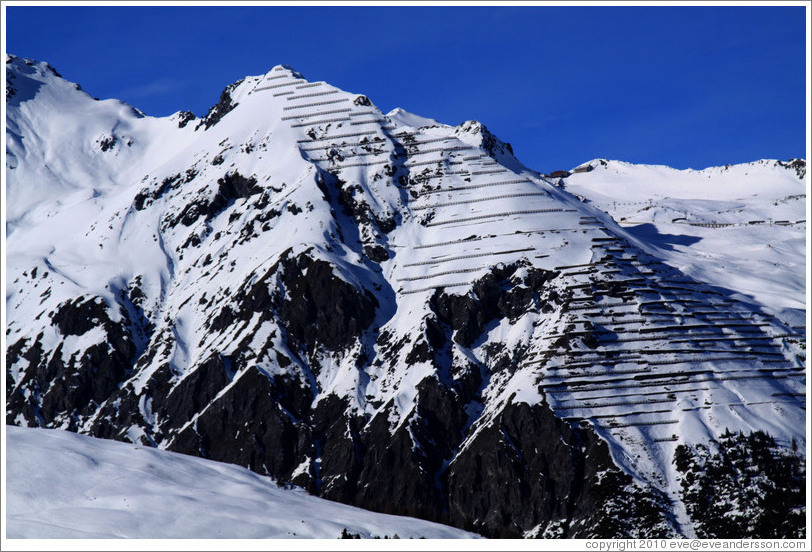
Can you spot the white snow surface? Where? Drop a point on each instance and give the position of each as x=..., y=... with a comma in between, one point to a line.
x=64, y=485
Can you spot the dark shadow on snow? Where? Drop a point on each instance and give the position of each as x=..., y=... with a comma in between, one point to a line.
x=647, y=232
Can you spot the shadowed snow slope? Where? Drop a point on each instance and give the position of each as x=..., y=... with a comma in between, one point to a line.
x=63, y=485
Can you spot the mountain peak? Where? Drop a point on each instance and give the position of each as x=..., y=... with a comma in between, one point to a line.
x=284, y=69
x=40, y=67
x=406, y=118
x=25, y=77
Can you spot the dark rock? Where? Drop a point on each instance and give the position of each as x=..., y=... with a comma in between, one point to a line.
x=147, y=196
x=66, y=390
x=529, y=468
x=230, y=187
x=376, y=253
x=234, y=186
x=80, y=315
x=320, y=308
x=748, y=488
x=250, y=426
x=397, y=475
x=195, y=391
x=107, y=143
x=221, y=108
x=493, y=296
x=184, y=118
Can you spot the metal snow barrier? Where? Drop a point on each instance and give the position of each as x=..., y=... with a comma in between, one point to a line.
x=471, y=256
x=464, y=202
x=272, y=86
x=311, y=84
x=342, y=145
x=722, y=351
x=366, y=164
x=579, y=273
x=580, y=286
x=450, y=242
x=602, y=305
x=433, y=150
x=320, y=148
x=591, y=384
x=504, y=214
x=314, y=104
x=421, y=163
x=356, y=153
x=784, y=335
x=371, y=121
x=715, y=338
x=490, y=171
x=337, y=136
x=565, y=267
x=634, y=424
x=285, y=93
x=618, y=403
x=419, y=290
x=623, y=322
x=421, y=142
x=437, y=274
x=739, y=358
x=477, y=186
x=629, y=339
x=609, y=372
x=651, y=329
x=600, y=356
x=313, y=94
x=314, y=123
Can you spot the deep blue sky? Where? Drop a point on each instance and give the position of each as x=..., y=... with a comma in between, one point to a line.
x=682, y=86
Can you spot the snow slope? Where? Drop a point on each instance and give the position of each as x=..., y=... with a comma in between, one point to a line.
x=64, y=485
x=371, y=305
x=741, y=227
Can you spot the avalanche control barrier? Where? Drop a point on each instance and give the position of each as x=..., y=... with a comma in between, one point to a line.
x=492, y=198
x=314, y=123
x=315, y=104
x=505, y=214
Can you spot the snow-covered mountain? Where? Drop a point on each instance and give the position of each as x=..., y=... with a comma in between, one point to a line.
x=390, y=312
x=64, y=485
x=742, y=227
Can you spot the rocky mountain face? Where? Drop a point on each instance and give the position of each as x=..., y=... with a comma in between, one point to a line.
x=398, y=317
